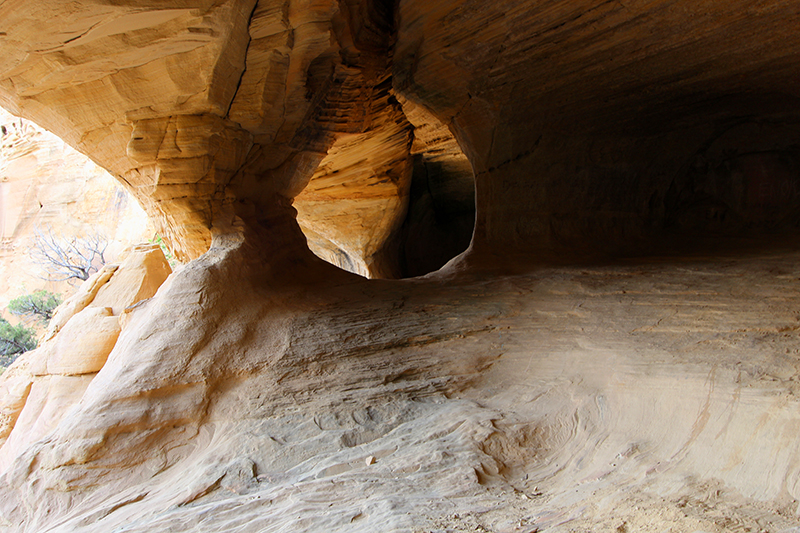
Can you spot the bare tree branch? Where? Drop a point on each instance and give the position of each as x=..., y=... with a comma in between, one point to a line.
x=68, y=258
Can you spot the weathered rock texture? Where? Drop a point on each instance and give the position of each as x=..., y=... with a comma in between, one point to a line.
x=45, y=184
x=43, y=384
x=584, y=121
x=262, y=389
x=207, y=109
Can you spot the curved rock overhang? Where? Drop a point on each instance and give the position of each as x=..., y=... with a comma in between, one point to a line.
x=590, y=125
x=208, y=111
x=594, y=125
x=591, y=128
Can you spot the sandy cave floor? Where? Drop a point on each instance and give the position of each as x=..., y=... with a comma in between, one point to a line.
x=649, y=395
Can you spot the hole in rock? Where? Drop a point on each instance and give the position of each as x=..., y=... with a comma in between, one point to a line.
x=62, y=217
x=394, y=202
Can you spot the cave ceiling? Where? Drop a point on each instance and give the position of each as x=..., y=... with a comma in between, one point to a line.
x=533, y=383
x=205, y=109
x=581, y=121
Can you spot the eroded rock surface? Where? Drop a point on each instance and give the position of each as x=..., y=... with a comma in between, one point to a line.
x=657, y=396
x=532, y=384
x=42, y=385
x=48, y=187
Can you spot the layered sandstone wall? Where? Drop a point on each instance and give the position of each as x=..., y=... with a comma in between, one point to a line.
x=263, y=389
x=302, y=398
x=209, y=110
x=585, y=121
x=42, y=385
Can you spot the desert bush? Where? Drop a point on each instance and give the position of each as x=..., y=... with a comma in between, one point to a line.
x=157, y=239
x=68, y=258
x=14, y=340
x=39, y=305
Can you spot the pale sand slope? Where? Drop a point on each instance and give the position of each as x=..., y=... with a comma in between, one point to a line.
x=646, y=396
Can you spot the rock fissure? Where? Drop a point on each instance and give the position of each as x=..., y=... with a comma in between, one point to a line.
x=244, y=68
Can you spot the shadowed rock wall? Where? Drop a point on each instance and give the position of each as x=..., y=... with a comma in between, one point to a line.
x=583, y=120
x=262, y=389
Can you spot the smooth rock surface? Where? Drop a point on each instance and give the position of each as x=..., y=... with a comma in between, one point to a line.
x=42, y=385
x=138, y=278
x=616, y=351
x=657, y=395
x=83, y=344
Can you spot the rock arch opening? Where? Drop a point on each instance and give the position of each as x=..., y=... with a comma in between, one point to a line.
x=396, y=201
x=266, y=386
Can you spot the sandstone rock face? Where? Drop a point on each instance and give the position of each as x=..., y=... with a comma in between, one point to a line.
x=16, y=388
x=44, y=384
x=45, y=184
x=661, y=393
x=275, y=85
x=83, y=345
x=582, y=121
x=78, y=301
x=356, y=200
x=533, y=384
x=138, y=278
x=441, y=212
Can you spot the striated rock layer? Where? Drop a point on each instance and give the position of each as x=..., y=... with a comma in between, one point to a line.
x=303, y=398
x=532, y=384
x=207, y=108
x=586, y=122
x=43, y=384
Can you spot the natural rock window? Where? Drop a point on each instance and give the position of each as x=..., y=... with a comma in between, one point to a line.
x=397, y=201
x=562, y=374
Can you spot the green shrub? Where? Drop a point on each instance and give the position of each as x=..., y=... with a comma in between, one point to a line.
x=167, y=253
x=14, y=340
x=39, y=305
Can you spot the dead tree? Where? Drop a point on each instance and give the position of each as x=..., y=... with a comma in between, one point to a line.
x=68, y=258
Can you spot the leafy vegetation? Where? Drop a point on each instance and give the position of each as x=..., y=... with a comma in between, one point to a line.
x=167, y=253
x=39, y=305
x=14, y=340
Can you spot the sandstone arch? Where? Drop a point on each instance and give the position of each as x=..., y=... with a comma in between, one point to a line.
x=533, y=384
